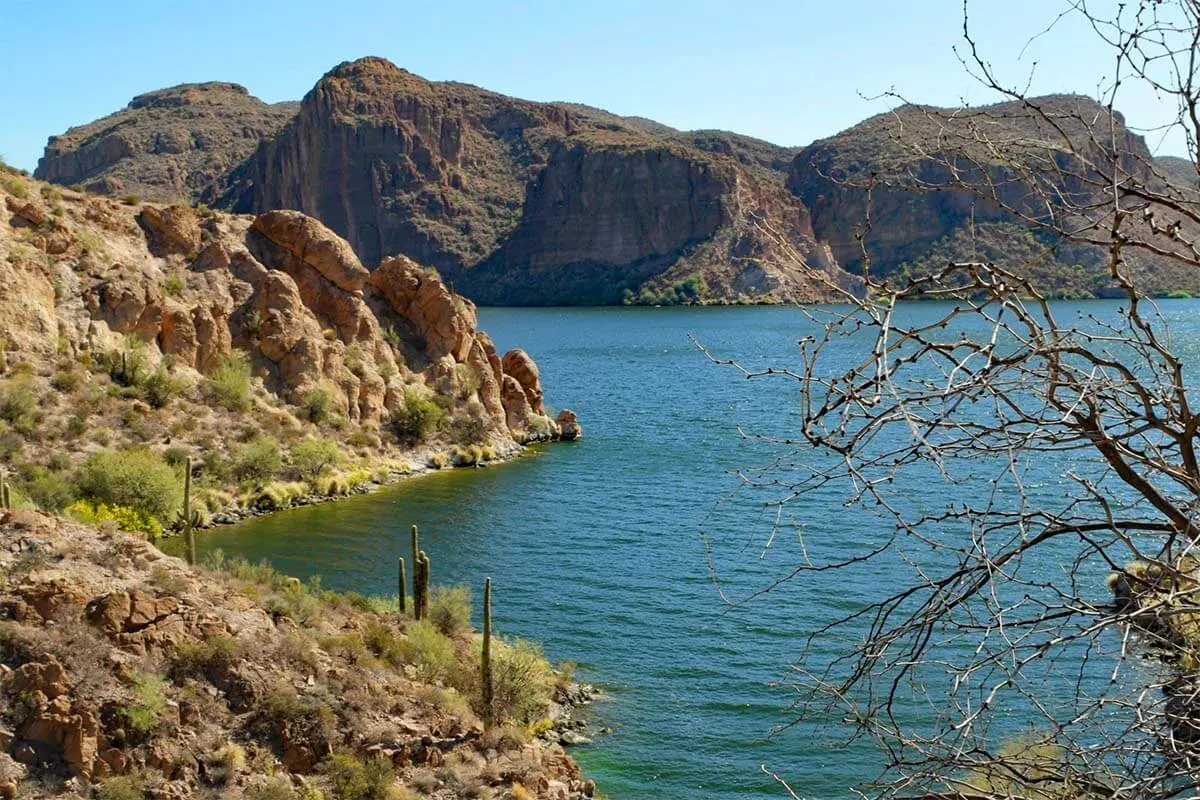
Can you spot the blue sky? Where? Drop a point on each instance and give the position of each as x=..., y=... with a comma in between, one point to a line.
x=789, y=71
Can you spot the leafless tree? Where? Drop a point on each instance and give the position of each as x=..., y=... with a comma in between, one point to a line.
x=997, y=663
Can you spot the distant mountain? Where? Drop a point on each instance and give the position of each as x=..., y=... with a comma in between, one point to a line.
x=941, y=184
x=170, y=144
x=519, y=203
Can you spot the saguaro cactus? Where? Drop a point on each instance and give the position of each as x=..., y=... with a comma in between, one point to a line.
x=421, y=591
x=402, y=584
x=189, y=518
x=416, y=563
x=5, y=493
x=485, y=658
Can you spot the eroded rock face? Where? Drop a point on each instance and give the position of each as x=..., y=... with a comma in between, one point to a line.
x=177, y=142
x=171, y=230
x=520, y=366
x=281, y=289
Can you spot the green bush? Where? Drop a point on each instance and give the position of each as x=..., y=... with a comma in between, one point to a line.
x=418, y=417
x=121, y=787
x=353, y=779
x=148, y=704
x=229, y=382
x=258, y=462
x=317, y=405
x=428, y=650
x=523, y=682
x=129, y=366
x=19, y=403
x=314, y=456
x=51, y=491
x=136, y=479
x=450, y=608
x=161, y=387
x=215, y=654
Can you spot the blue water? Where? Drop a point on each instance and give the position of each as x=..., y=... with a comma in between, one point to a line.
x=608, y=550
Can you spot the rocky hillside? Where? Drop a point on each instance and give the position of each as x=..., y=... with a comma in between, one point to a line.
x=126, y=674
x=170, y=145
x=259, y=346
x=939, y=185
x=532, y=203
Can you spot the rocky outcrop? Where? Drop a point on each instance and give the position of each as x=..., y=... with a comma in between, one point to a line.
x=280, y=289
x=191, y=683
x=165, y=145
x=525, y=203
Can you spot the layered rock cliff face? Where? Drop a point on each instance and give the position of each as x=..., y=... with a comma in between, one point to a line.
x=167, y=145
x=532, y=203
x=952, y=184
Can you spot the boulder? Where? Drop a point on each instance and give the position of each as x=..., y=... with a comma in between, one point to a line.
x=518, y=364
x=315, y=245
x=568, y=425
x=444, y=321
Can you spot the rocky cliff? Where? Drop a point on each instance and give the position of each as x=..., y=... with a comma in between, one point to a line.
x=533, y=203
x=952, y=184
x=163, y=327
x=168, y=145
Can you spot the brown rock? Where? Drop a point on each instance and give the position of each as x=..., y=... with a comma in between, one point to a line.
x=171, y=229
x=46, y=675
x=315, y=245
x=568, y=425
x=444, y=321
x=518, y=364
x=516, y=404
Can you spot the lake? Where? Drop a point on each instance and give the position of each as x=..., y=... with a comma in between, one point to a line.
x=604, y=549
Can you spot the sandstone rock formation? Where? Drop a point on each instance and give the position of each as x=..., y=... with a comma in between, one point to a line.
x=165, y=145
x=165, y=285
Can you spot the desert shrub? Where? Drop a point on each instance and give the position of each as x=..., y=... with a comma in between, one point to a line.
x=129, y=366
x=173, y=285
x=123, y=517
x=66, y=380
x=353, y=779
x=417, y=418
x=523, y=682
x=450, y=608
x=317, y=405
x=275, y=787
x=277, y=495
x=439, y=460
x=122, y=787
x=428, y=650
x=149, y=701
x=229, y=382
x=314, y=456
x=15, y=186
x=258, y=461
x=161, y=387
x=137, y=479
x=226, y=762
x=310, y=719
x=19, y=403
x=198, y=659
x=51, y=491
x=131, y=199
x=466, y=380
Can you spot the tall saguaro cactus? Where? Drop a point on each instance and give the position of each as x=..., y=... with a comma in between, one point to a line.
x=5, y=493
x=485, y=658
x=189, y=518
x=416, y=563
x=421, y=586
x=402, y=584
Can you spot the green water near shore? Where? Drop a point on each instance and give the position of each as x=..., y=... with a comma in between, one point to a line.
x=604, y=549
